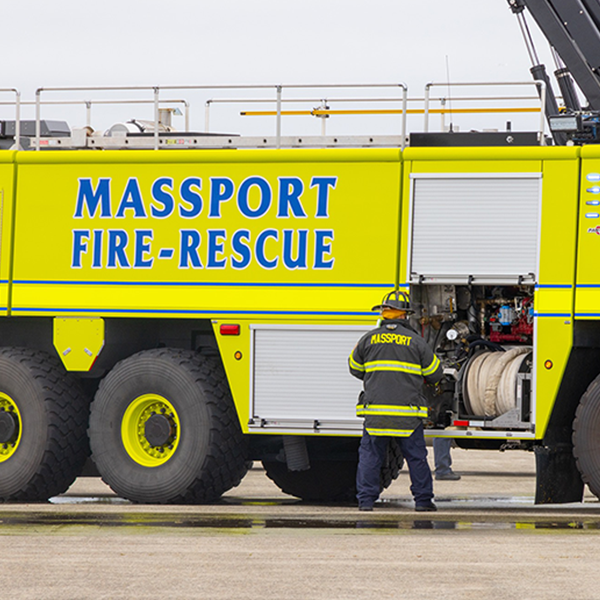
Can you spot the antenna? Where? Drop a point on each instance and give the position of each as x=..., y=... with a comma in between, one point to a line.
x=451, y=128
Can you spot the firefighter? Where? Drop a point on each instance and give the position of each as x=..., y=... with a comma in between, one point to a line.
x=392, y=361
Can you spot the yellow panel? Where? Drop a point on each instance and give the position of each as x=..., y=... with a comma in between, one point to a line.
x=235, y=354
x=78, y=341
x=7, y=178
x=298, y=232
x=554, y=337
x=553, y=299
x=467, y=160
x=587, y=298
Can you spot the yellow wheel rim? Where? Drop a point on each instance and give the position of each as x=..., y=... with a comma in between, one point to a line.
x=134, y=430
x=9, y=447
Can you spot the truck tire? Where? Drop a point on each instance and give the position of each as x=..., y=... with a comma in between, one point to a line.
x=163, y=429
x=586, y=436
x=43, y=421
x=330, y=480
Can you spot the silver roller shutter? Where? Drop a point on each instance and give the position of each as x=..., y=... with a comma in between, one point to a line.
x=483, y=227
x=300, y=375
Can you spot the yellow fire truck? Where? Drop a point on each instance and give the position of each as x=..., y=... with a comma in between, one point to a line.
x=182, y=304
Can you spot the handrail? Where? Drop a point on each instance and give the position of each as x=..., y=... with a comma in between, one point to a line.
x=17, y=93
x=278, y=88
x=539, y=84
x=89, y=103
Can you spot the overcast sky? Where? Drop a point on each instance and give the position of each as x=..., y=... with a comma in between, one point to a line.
x=148, y=42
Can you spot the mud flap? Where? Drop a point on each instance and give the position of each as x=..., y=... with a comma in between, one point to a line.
x=557, y=477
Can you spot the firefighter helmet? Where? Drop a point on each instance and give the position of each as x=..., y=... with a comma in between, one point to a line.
x=395, y=300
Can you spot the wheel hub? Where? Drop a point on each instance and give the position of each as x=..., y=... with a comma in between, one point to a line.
x=158, y=430
x=150, y=430
x=8, y=427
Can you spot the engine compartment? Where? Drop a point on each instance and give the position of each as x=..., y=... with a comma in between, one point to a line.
x=483, y=336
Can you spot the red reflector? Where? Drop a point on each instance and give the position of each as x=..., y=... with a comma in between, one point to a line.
x=230, y=330
x=461, y=423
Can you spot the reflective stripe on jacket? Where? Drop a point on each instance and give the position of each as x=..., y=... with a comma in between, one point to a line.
x=392, y=361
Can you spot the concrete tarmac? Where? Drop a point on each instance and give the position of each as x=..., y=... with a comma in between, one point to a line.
x=487, y=540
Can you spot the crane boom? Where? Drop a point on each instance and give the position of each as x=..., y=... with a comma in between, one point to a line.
x=572, y=28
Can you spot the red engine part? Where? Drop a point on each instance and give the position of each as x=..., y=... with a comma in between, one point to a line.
x=521, y=331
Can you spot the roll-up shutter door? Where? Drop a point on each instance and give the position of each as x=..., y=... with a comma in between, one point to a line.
x=300, y=374
x=475, y=228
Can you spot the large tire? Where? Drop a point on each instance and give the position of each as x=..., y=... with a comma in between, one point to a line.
x=330, y=480
x=197, y=450
x=586, y=437
x=44, y=416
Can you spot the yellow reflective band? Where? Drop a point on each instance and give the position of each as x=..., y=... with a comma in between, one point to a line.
x=432, y=367
x=392, y=432
x=393, y=365
x=354, y=365
x=391, y=410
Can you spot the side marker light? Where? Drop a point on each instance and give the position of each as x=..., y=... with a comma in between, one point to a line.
x=238, y=355
x=548, y=364
x=229, y=330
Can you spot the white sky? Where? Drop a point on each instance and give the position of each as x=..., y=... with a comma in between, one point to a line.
x=149, y=42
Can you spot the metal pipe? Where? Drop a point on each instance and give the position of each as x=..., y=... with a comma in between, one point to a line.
x=404, y=112
x=187, y=115
x=207, y=115
x=426, y=106
x=156, y=118
x=38, y=94
x=18, y=120
x=278, y=124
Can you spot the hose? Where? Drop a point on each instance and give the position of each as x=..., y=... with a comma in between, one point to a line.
x=491, y=384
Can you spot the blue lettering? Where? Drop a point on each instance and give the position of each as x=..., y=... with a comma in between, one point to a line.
x=97, y=256
x=323, y=239
x=215, y=246
x=142, y=247
x=163, y=197
x=191, y=196
x=288, y=241
x=132, y=200
x=265, y=197
x=86, y=196
x=80, y=240
x=117, y=242
x=260, y=248
x=190, y=242
x=323, y=184
x=290, y=190
x=221, y=190
x=241, y=249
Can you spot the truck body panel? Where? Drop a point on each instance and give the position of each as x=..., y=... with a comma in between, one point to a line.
x=219, y=233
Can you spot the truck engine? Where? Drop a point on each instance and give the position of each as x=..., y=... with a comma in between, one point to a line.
x=484, y=337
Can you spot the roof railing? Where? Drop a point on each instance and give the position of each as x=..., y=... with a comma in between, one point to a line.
x=540, y=85
x=323, y=110
x=278, y=89
x=17, y=103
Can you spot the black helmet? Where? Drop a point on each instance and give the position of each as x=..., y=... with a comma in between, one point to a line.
x=396, y=300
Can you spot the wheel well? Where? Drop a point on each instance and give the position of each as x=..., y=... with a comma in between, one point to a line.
x=582, y=367
x=123, y=337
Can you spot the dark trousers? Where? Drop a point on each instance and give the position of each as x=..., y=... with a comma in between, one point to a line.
x=371, y=456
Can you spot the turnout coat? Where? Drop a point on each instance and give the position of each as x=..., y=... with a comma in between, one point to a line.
x=392, y=362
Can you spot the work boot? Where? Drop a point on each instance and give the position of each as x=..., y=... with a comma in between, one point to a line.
x=450, y=476
x=427, y=507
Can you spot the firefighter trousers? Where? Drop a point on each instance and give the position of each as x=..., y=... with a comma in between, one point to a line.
x=371, y=456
